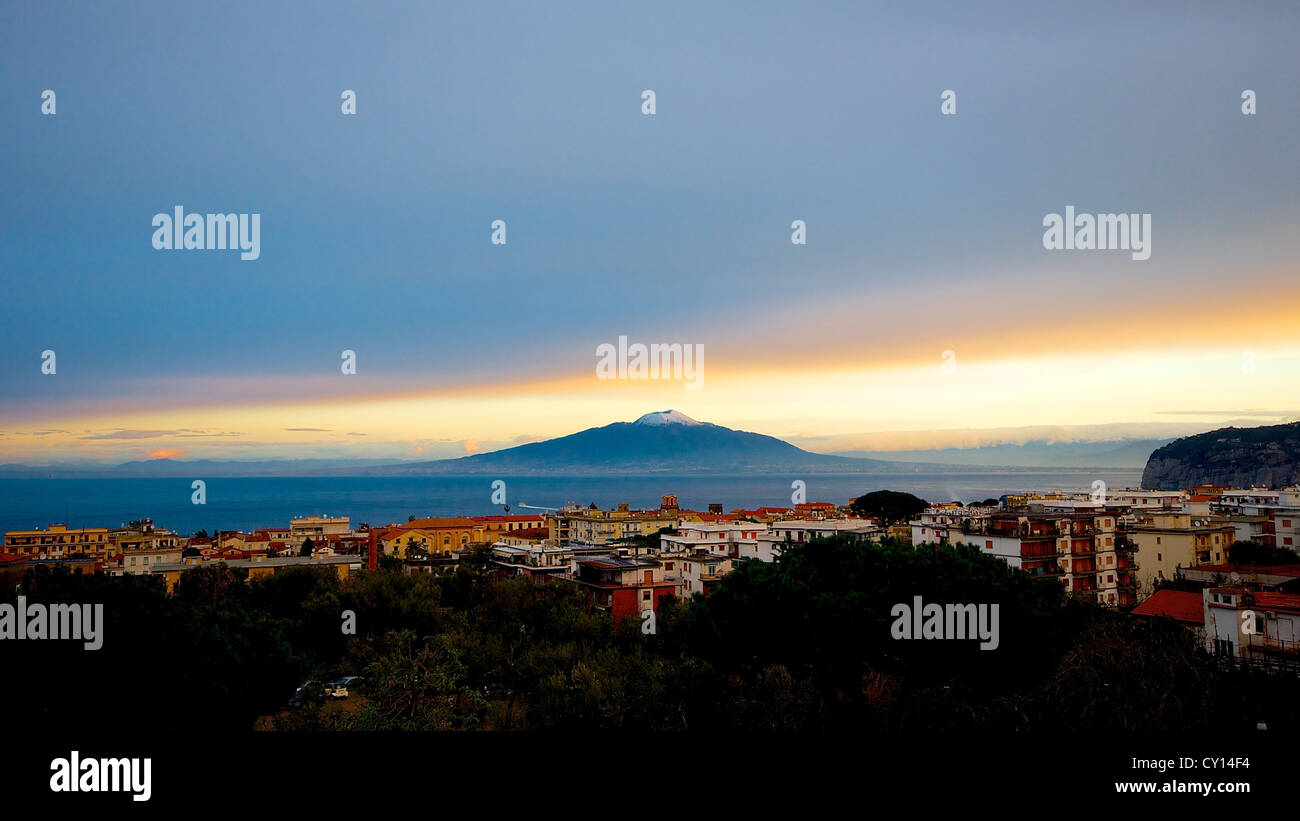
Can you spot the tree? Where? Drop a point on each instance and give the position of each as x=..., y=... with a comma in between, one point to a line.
x=307, y=547
x=889, y=506
x=1256, y=553
x=415, y=549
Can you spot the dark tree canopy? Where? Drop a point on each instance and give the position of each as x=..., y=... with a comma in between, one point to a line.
x=890, y=506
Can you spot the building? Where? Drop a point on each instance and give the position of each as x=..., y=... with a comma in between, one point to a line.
x=814, y=510
x=139, y=560
x=697, y=572
x=1278, y=578
x=625, y=587
x=1183, y=606
x=767, y=546
x=1166, y=540
x=1260, y=627
x=538, y=562
x=728, y=539
x=60, y=542
x=1080, y=543
x=494, y=527
x=432, y=535
x=1154, y=500
x=316, y=528
x=592, y=526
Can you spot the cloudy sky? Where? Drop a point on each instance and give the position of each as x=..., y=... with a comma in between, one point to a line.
x=924, y=231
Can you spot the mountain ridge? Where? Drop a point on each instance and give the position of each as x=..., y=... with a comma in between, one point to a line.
x=1266, y=456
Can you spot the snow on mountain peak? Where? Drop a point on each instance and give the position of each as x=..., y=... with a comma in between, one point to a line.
x=667, y=417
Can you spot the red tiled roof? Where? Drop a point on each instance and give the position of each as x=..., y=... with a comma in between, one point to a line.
x=1278, y=601
x=436, y=522
x=1179, y=605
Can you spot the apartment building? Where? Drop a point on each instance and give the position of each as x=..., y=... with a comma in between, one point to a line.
x=590, y=525
x=716, y=538
x=696, y=572
x=59, y=541
x=139, y=545
x=1153, y=500
x=317, y=528
x=767, y=546
x=538, y=562
x=1081, y=543
x=1166, y=539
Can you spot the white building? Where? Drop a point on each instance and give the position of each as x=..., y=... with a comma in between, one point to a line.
x=798, y=531
x=716, y=538
x=1252, y=624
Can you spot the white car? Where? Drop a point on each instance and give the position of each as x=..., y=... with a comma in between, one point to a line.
x=339, y=689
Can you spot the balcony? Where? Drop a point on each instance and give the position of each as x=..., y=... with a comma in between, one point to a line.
x=1271, y=644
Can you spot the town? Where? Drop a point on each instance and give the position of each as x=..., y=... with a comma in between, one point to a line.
x=1221, y=561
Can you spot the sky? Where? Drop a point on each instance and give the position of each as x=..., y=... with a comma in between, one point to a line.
x=923, y=310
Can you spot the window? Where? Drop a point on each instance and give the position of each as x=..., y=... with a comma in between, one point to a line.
x=1110, y=578
x=1160, y=557
x=645, y=595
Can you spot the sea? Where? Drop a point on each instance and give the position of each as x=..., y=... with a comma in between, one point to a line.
x=253, y=502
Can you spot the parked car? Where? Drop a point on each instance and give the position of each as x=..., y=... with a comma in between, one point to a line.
x=339, y=689
x=309, y=691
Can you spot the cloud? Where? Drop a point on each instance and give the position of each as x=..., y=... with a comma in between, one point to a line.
x=167, y=453
x=134, y=434
x=309, y=430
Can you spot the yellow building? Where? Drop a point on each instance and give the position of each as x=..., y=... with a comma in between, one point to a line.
x=495, y=527
x=434, y=535
x=59, y=542
x=1166, y=540
x=576, y=525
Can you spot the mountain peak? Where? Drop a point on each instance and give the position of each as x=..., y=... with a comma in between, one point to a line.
x=667, y=417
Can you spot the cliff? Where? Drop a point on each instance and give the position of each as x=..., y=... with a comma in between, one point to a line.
x=1241, y=457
